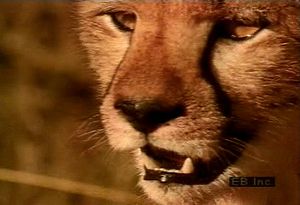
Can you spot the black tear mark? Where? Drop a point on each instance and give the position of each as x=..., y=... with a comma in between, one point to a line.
x=222, y=99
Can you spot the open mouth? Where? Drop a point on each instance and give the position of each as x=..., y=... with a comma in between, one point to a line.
x=176, y=168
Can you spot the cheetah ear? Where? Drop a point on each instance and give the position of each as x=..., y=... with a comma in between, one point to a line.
x=89, y=136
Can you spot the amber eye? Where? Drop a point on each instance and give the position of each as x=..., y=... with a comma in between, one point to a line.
x=243, y=32
x=125, y=21
x=238, y=31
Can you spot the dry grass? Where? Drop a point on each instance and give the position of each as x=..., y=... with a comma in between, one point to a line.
x=67, y=186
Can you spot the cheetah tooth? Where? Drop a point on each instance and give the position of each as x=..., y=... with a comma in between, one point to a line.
x=187, y=167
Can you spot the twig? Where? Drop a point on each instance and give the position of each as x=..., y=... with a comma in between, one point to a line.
x=68, y=186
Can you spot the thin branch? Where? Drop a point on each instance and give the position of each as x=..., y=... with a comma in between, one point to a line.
x=67, y=186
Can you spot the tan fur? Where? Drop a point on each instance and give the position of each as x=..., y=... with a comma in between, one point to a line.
x=165, y=58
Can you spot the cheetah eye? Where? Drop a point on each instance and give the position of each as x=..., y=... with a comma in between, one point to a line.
x=125, y=21
x=242, y=32
x=238, y=31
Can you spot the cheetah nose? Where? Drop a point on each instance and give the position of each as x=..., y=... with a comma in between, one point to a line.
x=146, y=116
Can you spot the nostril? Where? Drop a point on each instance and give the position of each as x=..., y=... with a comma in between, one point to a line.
x=128, y=108
x=146, y=116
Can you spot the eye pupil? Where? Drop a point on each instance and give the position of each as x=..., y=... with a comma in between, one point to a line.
x=125, y=21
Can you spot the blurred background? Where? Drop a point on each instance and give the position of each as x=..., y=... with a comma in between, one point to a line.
x=46, y=93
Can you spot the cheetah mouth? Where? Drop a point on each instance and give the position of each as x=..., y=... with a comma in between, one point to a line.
x=179, y=169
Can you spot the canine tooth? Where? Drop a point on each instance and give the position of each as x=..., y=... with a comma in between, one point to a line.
x=187, y=167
